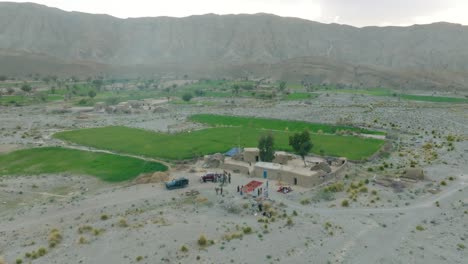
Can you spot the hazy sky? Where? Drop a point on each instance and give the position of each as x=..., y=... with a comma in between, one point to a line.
x=352, y=12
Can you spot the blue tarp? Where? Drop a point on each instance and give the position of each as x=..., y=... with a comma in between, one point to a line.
x=232, y=152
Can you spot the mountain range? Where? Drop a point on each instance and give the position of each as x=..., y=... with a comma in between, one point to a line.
x=40, y=39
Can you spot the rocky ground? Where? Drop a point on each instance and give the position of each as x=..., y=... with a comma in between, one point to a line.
x=77, y=219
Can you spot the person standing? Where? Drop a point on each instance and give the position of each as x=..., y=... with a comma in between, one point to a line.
x=229, y=178
x=221, y=190
x=238, y=188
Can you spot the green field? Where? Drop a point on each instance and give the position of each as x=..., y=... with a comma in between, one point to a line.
x=107, y=167
x=27, y=100
x=437, y=99
x=274, y=124
x=388, y=92
x=201, y=142
x=301, y=96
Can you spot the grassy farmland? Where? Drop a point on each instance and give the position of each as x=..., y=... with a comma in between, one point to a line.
x=390, y=93
x=197, y=143
x=274, y=124
x=300, y=96
x=107, y=167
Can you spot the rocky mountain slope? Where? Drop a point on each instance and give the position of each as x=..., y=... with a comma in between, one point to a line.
x=211, y=40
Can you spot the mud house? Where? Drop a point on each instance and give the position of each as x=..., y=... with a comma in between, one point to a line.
x=288, y=175
x=252, y=155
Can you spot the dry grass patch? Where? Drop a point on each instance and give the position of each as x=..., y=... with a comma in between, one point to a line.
x=54, y=238
x=156, y=177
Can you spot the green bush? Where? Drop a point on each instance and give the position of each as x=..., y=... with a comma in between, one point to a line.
x=187, y=97
x=202, y=241
x=345, y=203
x=184, y=248
x=104, y=217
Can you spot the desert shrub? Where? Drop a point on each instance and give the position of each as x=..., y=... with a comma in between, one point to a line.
x=419, y=228
x=55, y=237
x=123, y=222
x=363, y=189
x=370, y=169
x=305, y=201
x=184, y=248
x=443, y=183
x=336, y=187
x=374, y=192
x=231, y=236
x=460, y=246
x=82, y=240
x=41, y=251
x=104, y=217
x=294, y=213
x=139, y=258
x=85, y=229
x=202, y=241
x=345, y=203
x=18, y=261
x=247, y=230
x=289, y=222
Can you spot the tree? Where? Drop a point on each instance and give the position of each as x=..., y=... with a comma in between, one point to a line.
x=26, y=88
x=92, y=94
x=266, y=145
x=187, y=97
x=301, y=144
x=282, y=85
x=98, y=84
x=199, y=92
x=235, y=89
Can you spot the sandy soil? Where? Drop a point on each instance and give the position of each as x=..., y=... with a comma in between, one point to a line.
x=126, y=223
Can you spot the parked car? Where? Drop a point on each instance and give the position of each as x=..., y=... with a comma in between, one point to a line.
x=284, y=189
x=213, y=177
x=177, y=183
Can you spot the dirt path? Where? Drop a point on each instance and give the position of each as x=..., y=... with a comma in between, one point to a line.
x=116, y=153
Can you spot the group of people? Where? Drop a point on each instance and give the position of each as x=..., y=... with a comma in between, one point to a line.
x=226, y=178
x=240, y=189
